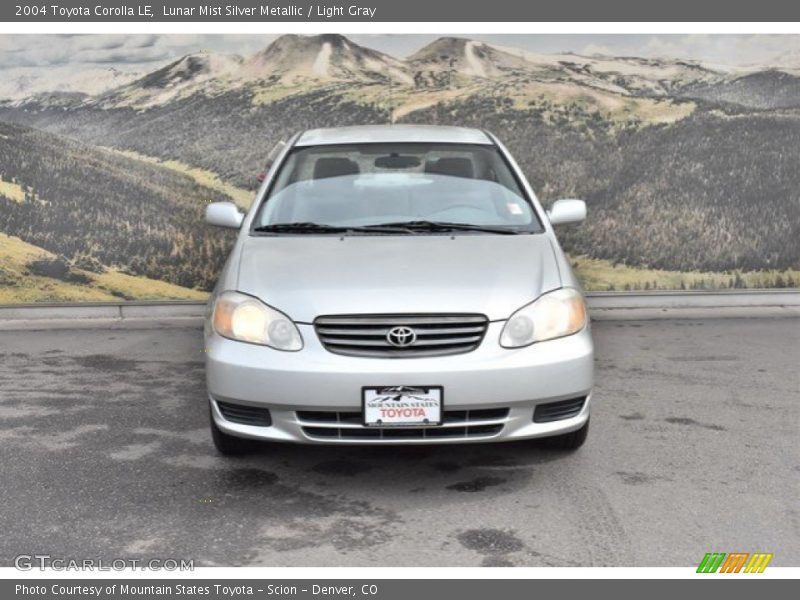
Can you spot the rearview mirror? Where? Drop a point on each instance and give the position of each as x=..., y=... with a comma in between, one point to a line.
x=567, y=211
x=224, y=214
x=397, y=161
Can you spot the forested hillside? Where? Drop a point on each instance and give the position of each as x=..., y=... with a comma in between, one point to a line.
x=684, y=168
x=31, y=274
x=99, y=209
x=713, y=191
x=761, y=90
x=226, y=133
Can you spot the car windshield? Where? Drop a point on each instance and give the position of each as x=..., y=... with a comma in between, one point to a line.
x=407, y=187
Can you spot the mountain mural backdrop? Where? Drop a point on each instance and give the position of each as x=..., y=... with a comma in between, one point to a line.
x=691, y=172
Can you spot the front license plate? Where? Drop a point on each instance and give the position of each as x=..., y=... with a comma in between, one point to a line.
x=403, y=406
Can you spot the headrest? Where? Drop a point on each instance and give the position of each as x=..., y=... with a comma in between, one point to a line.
x=453, y=166
x=334, y=166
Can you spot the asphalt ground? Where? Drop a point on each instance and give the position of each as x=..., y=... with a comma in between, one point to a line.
x=105, y=453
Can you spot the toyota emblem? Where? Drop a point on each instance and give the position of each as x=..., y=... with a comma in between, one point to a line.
x=401, y=336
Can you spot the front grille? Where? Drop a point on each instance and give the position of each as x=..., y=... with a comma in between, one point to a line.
x=450, y=416
x=419, y=433
x=332, y=425
x=555, y=411
x=436, y=335
x=246, y=415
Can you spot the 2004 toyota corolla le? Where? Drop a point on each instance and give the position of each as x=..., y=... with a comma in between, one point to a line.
x=397, y=284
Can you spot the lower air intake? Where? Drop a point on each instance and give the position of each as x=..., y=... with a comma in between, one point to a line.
x=556, y=411
x=245, y=415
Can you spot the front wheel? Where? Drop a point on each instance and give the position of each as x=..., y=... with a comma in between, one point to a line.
x=567, y=441
x=227, y=444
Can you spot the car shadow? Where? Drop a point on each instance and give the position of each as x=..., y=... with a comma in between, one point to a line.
x=390, y=461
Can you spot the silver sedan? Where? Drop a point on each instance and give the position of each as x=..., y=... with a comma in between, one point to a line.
x=397, y=284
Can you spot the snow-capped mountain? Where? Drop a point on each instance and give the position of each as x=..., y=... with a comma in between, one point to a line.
x=177, y=79
x=20, y=83
x=293, y=59
x=296, y=63
x=645, y=76
x=290, y=60
x=466, y=58
x=191, y=68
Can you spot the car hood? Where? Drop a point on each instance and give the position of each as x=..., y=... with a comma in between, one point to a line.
x=307, y=276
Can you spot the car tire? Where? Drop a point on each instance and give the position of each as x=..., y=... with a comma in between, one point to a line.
x=228, y=445
x=567, y=441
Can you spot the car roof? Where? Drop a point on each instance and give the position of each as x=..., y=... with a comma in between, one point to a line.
x=369, y=134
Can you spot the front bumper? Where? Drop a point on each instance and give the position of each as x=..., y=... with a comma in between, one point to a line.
x=315, y=379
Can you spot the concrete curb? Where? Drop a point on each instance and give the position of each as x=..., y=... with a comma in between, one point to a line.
x=694, y=299
x=722, y=312
x=104, y=311
x=602, y=305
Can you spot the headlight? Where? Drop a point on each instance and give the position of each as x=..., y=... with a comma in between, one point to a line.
x=247, y=319
x=553, y=315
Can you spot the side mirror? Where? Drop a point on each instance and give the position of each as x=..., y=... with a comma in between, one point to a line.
x=224, y=214
x=567, y=211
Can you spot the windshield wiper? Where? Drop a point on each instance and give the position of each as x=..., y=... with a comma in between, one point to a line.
x=406, y=227
x=297, y=228
x=309, y=227
x=446, y=226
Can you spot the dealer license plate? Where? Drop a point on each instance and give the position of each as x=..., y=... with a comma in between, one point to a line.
x=403, y=406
